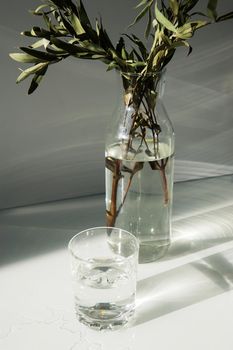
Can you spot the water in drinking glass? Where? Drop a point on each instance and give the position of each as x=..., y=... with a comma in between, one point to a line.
x=105, y=286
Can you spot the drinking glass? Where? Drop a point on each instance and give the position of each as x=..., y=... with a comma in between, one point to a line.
x=103, y=268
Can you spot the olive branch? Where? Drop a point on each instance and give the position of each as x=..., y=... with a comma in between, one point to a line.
x=68, y=32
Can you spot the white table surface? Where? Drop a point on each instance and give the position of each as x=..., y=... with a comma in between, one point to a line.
x=184, y=301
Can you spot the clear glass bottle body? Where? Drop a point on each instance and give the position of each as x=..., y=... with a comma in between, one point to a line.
x=139, y=167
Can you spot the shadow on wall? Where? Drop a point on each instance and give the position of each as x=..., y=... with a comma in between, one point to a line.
x=28, y=231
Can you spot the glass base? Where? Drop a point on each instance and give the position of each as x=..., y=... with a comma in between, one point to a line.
x=100, y=324
x=152, y=251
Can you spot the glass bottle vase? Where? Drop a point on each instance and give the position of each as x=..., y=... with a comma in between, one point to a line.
x=139, y=165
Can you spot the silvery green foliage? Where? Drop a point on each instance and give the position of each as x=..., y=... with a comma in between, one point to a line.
x=68, y=31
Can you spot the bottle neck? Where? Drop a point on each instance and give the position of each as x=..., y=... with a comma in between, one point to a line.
x=141, y=89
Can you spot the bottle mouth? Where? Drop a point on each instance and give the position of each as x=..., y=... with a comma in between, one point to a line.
x=153, y=81
x=157, y=74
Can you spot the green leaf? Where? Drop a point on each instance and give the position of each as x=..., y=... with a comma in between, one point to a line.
x=198, y=24
x=39, y=43
x=182, y=43
x=225, y=17
x=67, y=24
x=24, y=58
x=91, y=34
x=153, y=52
x=83, y=14
x=116, y=58
x=189, y=5
x=120, y=45
x=163, y=20
x=142, y=13
x=27, y=33
x=37, y=11
x=187, y=30
x=70, y=48
x=143, y=2
x=211, y=9
x=138, y=64
x=34, y=69
x=112, y=65
x=41, y=55
x=61, y=4
x=97, y=28
x=166, y=39
x=174, y=6
x=139, y=43
x=47, y=21
x=97, y=57
x=86, y=24
x=157, y=58
x=38, y=32
x=134, y=52
x=56, y=51
x=76, y=24
x=149, y=24
x=123, y=54
x=199, y=14
x=94, y=48
x=37, y=79
x=104, y=40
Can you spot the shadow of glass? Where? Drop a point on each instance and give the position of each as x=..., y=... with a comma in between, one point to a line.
x=184, y=286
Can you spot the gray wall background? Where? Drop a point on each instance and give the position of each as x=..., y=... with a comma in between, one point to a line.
x=52, y=142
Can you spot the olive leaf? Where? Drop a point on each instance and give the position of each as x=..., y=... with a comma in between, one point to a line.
x=163, y=20
x=37, y=79
x=142, y=13
x=182, y=43
x=149, y=24
x=37, y=11
x=67, y=47
x=24, y=58
x=189, y=5
x=211, y=9
x=112, y=65
x=225, y=17
x=143, y=2
x=39, y=43
x=174, y=7
x=75, y=21
x=188, y=29
x=84, y=19
x=31, y=70
x=104, y=40
x=41, y=55
x=142, y=48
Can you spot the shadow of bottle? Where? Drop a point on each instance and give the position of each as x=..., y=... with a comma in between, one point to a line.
x=184, y=286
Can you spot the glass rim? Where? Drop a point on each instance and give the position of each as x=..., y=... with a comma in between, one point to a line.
x=150, y=74
x=102, y=227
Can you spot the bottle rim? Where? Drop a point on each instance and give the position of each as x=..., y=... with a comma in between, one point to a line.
x=150, y=74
